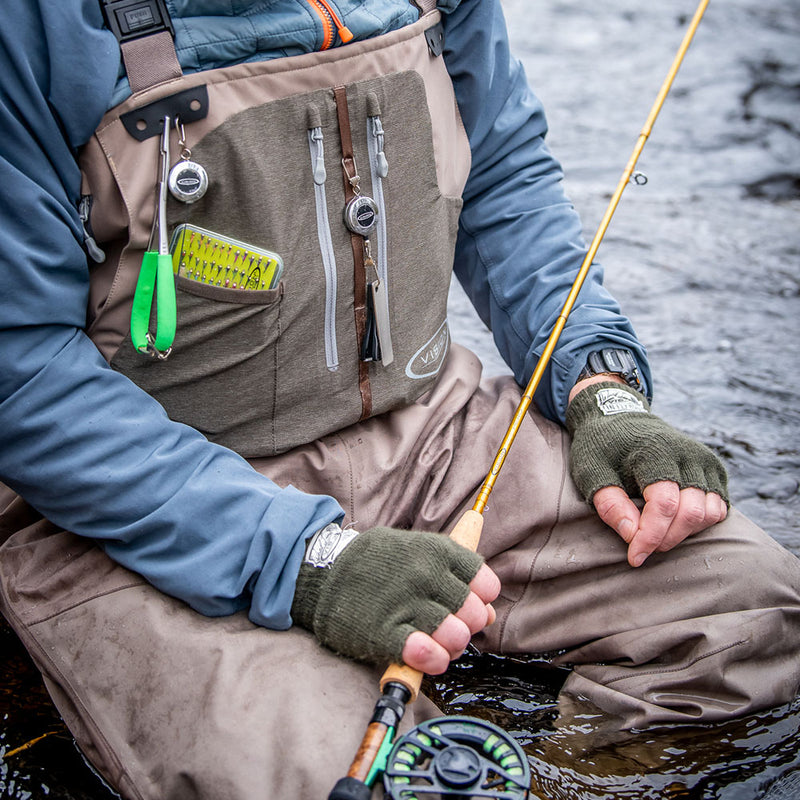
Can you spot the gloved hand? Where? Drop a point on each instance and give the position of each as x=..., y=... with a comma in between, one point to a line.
x=616, y=441
x=381, y=587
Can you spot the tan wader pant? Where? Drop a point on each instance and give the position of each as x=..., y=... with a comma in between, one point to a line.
x=170, y=704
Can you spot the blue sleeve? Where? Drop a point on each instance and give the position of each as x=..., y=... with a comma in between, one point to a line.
x=80, y=442
x=520, y=244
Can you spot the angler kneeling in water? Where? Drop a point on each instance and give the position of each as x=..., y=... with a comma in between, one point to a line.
x=232, y=416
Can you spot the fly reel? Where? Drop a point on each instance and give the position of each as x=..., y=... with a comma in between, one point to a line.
x=458, y=757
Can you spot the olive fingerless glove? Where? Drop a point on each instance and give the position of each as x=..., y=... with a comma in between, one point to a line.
x=381, y=587
x=616, y=441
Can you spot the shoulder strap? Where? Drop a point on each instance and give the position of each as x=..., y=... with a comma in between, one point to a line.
x=146, y=40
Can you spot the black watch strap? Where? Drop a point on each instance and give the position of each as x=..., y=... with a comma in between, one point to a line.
x=615, y=362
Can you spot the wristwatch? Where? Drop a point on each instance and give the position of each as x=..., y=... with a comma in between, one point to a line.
x=326, y=545
x=611, y=361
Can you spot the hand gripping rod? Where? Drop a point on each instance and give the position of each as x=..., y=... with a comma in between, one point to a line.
x=400, y=683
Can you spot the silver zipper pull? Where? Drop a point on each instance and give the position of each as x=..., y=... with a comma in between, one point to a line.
x=317, y=155
x=381, y=164
x=320, y=174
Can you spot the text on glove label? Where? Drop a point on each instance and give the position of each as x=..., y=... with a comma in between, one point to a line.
x=618, y=401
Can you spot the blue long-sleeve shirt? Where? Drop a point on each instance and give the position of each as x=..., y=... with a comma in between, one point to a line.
x=96, y=455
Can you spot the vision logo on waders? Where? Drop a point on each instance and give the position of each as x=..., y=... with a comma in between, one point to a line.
x=428, y=359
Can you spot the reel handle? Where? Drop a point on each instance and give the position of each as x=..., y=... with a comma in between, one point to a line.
x=467, y=532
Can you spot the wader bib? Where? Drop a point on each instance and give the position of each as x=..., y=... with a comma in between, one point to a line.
x=290, y=146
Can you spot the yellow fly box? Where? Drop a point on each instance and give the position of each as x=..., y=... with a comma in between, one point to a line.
x=207, y=257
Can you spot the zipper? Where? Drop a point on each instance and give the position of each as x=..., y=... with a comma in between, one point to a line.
x=84, y=212
x=315, y=144
x=331, y=24
x=379, y=169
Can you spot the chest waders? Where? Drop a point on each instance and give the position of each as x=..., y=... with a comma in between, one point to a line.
x=312, y=268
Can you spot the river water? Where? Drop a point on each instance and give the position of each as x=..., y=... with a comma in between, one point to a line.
x=705, y=260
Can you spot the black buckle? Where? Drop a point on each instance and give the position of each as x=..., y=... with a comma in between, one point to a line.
x=132, y=19
x=434, y=36
x=616, y=362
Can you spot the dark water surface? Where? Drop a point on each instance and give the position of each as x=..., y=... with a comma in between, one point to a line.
x=704, y=259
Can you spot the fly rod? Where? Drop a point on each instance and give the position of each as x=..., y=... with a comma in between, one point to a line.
x=399, y=683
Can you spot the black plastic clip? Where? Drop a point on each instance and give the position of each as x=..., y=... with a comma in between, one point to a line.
x=434, y=36
x=132, y=19
x=188, y=106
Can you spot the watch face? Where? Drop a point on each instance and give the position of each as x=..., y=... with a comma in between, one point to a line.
x=325, y=545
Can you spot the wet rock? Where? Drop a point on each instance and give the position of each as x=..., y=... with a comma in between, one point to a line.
x=781, y=488
x=781, y=186
x=773, y=101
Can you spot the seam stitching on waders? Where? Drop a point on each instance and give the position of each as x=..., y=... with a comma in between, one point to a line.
x=530, y=582
x=128, y=245
x=350, y=470
x=87, y=600
x=666, y=670
x=275, y=381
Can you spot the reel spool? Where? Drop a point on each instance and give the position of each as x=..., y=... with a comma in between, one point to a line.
x=458, y=757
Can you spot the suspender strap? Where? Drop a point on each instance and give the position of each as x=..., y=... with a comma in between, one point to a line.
x=145, y=34
x=150, y=60
x=425, y=5
x=357, y=246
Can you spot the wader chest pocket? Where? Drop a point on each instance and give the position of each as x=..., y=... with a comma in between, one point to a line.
x=259, y=370
x=221, y=375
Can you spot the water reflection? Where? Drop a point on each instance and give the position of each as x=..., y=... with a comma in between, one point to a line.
x=578, y=755
x=38, y=756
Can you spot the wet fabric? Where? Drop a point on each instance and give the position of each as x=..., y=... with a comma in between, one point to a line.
x=169, y=704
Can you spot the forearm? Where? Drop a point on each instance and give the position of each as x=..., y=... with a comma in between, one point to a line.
x=100, y=458
x=585, y=383
x=80, y=442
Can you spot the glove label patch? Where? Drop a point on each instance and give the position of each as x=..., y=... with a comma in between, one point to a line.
x=326, y=544
x=618, y=401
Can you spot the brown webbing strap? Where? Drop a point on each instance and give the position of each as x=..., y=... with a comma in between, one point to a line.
x=357, y=245
x=150, y=60
x=425, y=5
